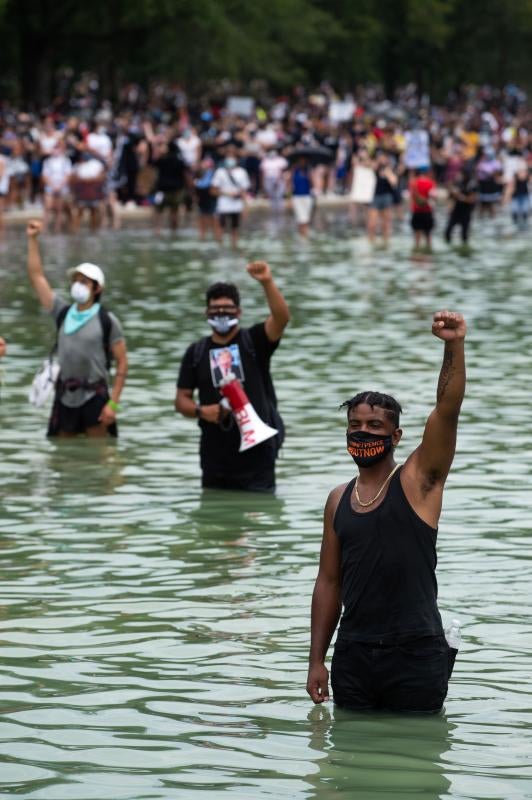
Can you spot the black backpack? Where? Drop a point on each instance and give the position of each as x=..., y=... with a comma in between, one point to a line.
x=106, y=323
x=275, y=419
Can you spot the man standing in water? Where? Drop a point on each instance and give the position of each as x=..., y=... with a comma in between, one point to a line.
x=249, y=351
x=378, y=555
x=88, y=337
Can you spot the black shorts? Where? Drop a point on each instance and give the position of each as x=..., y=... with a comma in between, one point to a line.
x=259, y=481
x=76, y=420
x=422, y=221
x=413, y=676
x=207, y=208
x=230, y=219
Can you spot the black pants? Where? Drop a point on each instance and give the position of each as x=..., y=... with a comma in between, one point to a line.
x=460, y=215
x=408, y=677
x=259, y=481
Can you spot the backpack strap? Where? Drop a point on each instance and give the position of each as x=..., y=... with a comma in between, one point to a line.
x=247, y=343
x=200, y=348
x=232, y=179
x=105, y=322
x=61, y=316
x=59, y=321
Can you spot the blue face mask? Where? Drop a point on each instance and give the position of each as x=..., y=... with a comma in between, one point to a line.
x=222, y=324
x=230, y=162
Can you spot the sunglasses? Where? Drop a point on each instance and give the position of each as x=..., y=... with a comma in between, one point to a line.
x=215, y=311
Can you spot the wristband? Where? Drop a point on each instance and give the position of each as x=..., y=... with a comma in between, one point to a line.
x=197, y=411
x=113, y=405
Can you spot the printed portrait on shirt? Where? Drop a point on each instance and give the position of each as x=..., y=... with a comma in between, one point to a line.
x=224, y=360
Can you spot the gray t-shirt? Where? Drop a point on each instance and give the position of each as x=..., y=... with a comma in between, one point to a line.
x=81, y=354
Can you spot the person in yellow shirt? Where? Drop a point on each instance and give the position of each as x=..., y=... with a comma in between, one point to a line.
x=471, y=139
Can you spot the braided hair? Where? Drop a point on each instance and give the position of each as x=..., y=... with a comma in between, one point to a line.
x=376, y=399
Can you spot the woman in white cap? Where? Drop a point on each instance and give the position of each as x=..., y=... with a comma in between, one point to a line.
x=88, y=337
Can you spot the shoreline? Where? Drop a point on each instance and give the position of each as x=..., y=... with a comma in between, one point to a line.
x=133, y=213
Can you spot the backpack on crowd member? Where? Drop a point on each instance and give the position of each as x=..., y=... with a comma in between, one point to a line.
x=45, y=379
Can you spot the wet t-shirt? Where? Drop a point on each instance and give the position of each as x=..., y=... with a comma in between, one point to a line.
x=219, y=448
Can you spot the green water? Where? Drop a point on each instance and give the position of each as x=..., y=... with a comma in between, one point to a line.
x=153, y=638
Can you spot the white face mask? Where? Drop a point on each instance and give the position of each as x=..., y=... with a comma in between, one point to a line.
x=80, y=293
x=222, y=324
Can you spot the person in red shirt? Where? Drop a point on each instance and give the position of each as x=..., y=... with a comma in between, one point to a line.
x=421, y=190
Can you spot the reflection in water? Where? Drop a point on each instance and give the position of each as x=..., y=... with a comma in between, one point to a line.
x=69, y=466
x=232, y=514
x=382, y=755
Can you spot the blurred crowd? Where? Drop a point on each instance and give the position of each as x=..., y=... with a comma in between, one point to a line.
x=84, y=158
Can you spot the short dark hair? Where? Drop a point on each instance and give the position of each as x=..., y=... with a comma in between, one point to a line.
x=222, y=289
x=385, y=401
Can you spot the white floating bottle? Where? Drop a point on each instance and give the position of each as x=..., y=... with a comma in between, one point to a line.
x=453, y=634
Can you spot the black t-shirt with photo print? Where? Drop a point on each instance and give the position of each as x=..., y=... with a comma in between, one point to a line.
x=219, y=448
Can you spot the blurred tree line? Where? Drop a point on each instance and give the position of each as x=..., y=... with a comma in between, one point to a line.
x=439, y=44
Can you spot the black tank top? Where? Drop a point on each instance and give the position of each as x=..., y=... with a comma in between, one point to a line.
x=382, y=185
x=388, y=562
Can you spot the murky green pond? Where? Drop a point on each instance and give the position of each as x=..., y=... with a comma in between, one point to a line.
x=153, y=638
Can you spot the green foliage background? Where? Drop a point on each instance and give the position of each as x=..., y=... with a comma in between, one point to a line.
x=439, y=44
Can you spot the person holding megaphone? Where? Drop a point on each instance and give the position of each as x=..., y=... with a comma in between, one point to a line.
x=235, y=405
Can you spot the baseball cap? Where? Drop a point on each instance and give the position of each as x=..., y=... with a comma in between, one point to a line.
x=90, y=271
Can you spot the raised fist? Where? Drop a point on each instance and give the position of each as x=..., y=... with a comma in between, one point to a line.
x=33, y=228
x=448, y=325
x=259, y=270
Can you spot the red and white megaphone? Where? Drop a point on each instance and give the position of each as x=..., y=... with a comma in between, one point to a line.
x=252, y=429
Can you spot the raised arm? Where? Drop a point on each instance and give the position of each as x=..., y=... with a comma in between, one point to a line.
x=35, y=270
x=279, y=312
x=326, y=604
x=427, y=468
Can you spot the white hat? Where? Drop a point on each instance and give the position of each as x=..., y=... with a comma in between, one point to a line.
x=90, y=271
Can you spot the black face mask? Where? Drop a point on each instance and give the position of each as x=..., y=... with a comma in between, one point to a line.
x=367, y=449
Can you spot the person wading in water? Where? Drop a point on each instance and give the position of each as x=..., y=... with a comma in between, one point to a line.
x=378, y=554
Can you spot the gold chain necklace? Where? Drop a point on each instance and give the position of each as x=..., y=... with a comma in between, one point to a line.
x=370, y=502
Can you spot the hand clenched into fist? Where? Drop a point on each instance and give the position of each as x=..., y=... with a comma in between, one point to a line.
x=33, y=228
x=449, y=326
